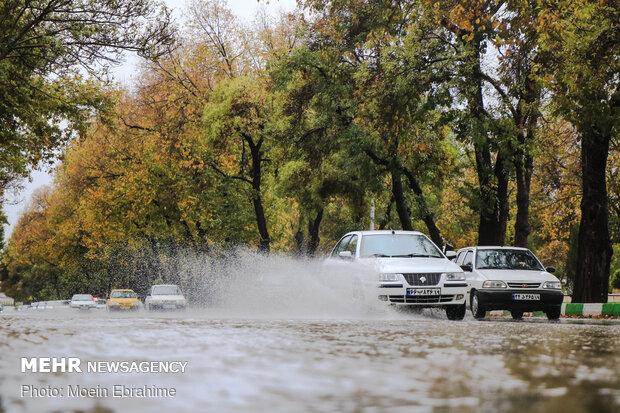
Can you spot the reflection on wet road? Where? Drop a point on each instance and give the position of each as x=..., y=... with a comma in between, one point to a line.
x=395, y=363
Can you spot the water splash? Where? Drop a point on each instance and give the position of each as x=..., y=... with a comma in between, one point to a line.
x=246, y=284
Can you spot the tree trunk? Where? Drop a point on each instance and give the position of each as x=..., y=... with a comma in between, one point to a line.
x=594, y=246
x=427, y=216
x=493, y=184
x=388, y=214
x=492, y=181
x=503, y=208
x=523, y=171
x=313, y=233
x=257, y=201
x=399, y=200
x=299, y=241
x=525, y=117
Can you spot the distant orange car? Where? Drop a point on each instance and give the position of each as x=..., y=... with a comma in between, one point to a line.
x=123, y=299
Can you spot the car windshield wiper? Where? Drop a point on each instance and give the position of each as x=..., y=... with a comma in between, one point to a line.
x=381, y=256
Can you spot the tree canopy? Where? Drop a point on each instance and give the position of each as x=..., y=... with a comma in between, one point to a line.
x=476, y=122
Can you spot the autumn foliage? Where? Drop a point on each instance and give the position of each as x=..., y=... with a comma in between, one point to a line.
x=461, y=119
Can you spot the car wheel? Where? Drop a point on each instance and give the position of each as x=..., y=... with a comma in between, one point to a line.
x=456, y=312
x=516, y=314
x=553, y=313
x=476, y=309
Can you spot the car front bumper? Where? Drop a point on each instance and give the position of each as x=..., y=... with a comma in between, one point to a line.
x=450, y=294
x=503, y=300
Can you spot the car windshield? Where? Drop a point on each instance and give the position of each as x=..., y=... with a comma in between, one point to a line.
x=123, y=294
x=166, y=290
x=398, y=245
x=82, y=297
x=506, y=259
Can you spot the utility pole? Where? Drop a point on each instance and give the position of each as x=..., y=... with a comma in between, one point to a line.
x=372, y=214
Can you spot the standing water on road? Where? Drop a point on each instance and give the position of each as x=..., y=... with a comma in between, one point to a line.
x=283, y=335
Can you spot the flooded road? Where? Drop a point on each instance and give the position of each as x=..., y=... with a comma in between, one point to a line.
x=390, y=363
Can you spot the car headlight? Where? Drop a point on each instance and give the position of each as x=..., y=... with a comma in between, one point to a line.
x=389, y=277
x=552, y=285
x=455, y=276
x=494, y=284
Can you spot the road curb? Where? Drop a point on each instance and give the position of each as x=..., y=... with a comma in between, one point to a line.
x=591, y=309
x=576, y=310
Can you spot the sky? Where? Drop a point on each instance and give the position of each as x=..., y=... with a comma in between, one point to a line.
x=16, y=201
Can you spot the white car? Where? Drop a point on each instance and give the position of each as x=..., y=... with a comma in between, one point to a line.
x=165, y=296
x=82, y=301
x=509, y=278
x=412, y=270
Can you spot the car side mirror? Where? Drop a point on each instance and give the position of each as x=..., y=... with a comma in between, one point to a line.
x=466, y=267
x=346, y=255
x=550, y=270
x=450, y=255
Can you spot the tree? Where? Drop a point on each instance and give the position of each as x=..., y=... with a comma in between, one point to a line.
x=321, y=165
x=242, y=122
x=394, y=93
x=472, y=24
x=519, y=90
x=45, y=48
x=581, y=40
x=555, y=196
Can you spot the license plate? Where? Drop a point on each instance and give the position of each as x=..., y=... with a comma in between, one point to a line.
x=169, y=306
x=526, y=297
x=412, y=292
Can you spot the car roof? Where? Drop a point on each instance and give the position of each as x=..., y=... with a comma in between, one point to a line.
x=164, y=285
x=384, y=231
x=122, y=289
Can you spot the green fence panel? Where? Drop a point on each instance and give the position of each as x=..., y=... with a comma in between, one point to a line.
x=611, y=309
x=574, y=309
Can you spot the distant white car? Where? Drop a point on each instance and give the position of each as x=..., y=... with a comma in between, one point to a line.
x=165, y=297
x=412, y=270
x=82, y=301
x=509, y=278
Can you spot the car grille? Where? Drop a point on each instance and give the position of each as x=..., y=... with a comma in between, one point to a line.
x=523, y=285
x=428, y=299
x=425, y=278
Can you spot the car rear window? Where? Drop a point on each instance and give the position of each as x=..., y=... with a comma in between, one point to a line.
x=166, y=290
x=82, y=297
x=123, y=294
